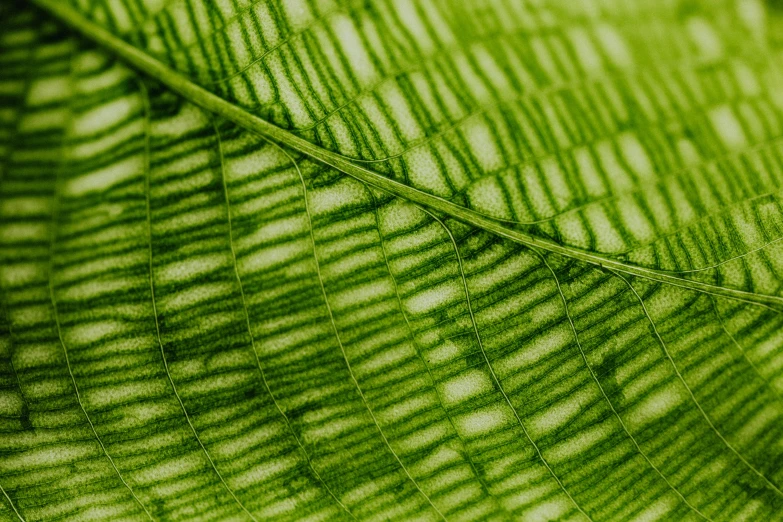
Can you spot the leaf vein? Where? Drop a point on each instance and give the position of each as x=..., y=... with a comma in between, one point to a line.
x=492, y=370
x=691, y=394
x=605, y=396
x=342, y=347
x=145, y=96
x=252, y=337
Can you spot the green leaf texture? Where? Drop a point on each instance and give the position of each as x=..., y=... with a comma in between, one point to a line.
x=391, y=260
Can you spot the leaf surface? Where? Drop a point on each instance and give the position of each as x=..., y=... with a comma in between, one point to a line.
x=415, y=260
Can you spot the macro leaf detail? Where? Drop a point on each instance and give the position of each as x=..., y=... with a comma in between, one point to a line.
x=394, y=260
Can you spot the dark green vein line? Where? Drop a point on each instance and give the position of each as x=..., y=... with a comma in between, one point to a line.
x=483, y=110
x=252, y=337
x=11, y=360
x=78, y=396
x=412, y=336
x=736, y=344
x=641, y=188
x=340, y=343
x=283, y=42
x=690, y=392
x=213, y=103
x=733, y=258
x=56, y=316
x=12, y=138
x=143, y=90
x=606, y=397
x=492, y=370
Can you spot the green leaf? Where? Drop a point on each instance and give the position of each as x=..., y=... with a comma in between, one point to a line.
x=391, y=260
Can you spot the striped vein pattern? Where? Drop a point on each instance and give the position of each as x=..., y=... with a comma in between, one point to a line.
x=645, y=130
x=199, y=324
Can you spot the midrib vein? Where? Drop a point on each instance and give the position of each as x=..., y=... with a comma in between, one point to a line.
x=208, y=101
